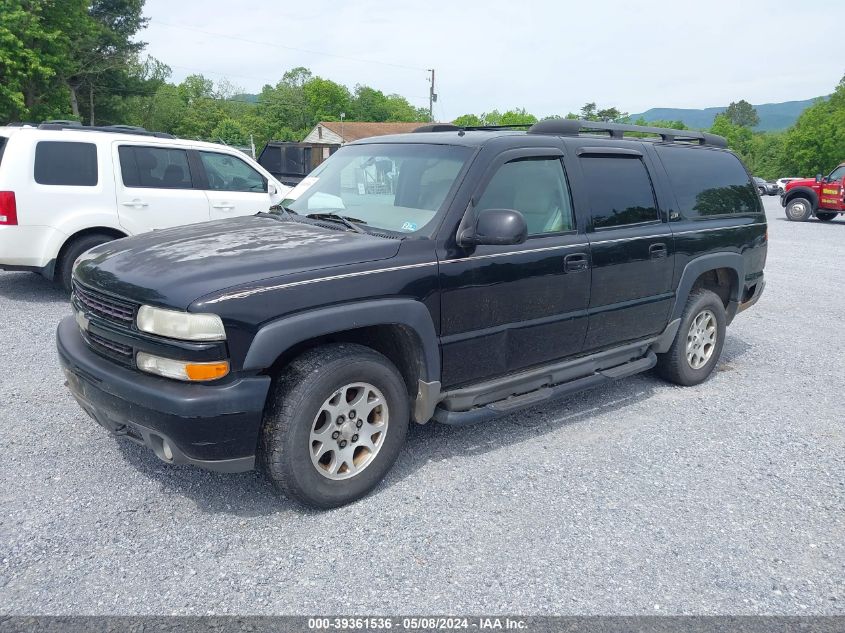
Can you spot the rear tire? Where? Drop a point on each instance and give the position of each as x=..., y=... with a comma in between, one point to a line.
x=799, y=209
x=826, y=216
x=70, y=253
x=336, y=422
x=698, y=343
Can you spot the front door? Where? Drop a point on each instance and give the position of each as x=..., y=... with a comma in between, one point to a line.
x=632, y=248
x=234, y=187
x=832, y=194
x=156, y=188
x=506, y=308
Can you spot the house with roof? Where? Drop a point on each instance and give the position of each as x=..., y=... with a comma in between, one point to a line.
x=340, y=132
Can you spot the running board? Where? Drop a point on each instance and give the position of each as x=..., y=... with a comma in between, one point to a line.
x=544, y=394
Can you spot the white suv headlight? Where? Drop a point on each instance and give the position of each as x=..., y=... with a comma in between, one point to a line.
x=185, y=326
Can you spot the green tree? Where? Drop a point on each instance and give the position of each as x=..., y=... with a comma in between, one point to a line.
x=816, y=143
x=742, y=113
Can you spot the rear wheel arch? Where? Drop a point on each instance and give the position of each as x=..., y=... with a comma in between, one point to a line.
x=63, y=261
x=721, y=273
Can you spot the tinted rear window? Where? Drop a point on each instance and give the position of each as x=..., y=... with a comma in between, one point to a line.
x=66, y=163
x=708, y=182
x=155, y=167
x=620, y=191
x=3, y=140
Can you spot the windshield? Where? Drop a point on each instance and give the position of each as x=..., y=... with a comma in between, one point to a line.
x=397, y=187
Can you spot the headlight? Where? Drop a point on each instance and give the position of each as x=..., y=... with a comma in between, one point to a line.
x=181, y=369
x=185, y=326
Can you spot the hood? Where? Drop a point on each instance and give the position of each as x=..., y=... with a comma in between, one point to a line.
x=803, y=182
x=174, y=267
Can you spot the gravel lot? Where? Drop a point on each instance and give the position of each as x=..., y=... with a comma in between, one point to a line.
x=639, y=497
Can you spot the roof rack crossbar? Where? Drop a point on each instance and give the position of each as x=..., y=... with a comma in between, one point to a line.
x=114, y=129
x=574, y=127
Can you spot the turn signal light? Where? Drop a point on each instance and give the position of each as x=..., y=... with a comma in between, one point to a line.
x=207, y=371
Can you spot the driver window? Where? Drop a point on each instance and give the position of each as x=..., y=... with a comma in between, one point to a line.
x=536, y=187
x=229, y=173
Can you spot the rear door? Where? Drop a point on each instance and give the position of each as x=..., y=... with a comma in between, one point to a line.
x=631, y=245
x=156, y=188
x=234, y=187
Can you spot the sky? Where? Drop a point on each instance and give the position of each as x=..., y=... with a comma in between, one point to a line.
x=549, y=57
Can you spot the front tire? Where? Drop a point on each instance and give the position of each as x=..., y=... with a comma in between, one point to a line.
x=70, y=253
x=698, y=343
x=799, y=209
x=826, y=216
x=336, y=422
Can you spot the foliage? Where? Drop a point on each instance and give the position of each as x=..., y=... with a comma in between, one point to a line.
x=742, y=113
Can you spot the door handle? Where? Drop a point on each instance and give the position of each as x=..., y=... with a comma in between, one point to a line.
x=575, y=262
x=223, y=205
x=137, y=203
x=658, y=251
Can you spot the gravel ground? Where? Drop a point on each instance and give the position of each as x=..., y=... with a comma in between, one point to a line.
x=639, y=497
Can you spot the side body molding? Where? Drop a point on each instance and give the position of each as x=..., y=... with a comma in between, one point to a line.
x=280, y=335
x=694, y=269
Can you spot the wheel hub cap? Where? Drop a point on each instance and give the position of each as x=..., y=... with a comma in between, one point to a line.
x=701, y=339
x=348, y=431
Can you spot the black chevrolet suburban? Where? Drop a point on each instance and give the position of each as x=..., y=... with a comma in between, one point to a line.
x=452, y=274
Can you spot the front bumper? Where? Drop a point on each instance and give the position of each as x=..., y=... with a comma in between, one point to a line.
x=213, y=426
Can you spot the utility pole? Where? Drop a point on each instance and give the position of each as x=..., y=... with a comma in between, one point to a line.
x=432, y=96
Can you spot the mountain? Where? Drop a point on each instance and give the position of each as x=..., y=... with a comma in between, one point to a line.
x=773, y=116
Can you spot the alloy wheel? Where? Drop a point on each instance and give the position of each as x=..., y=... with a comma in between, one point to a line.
x=701, y=339
x=348, y=431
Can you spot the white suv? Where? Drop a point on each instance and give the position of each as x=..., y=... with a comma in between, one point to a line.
x=66, y=188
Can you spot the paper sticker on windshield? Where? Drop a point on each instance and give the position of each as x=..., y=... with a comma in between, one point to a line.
x=409, y=226
x=302, y=187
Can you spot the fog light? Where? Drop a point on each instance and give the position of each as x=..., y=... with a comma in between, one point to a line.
x=167, y=451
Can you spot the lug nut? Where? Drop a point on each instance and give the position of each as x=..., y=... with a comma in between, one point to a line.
x=335, y=435
x=352, y=414
x=340, y=419
x=359, y=424
x=354, y=438
x=343, y=443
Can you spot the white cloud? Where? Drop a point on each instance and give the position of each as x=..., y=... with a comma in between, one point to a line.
x=549, y=57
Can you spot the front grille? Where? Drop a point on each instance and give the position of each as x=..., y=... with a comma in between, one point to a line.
x=112, y=346
x=103, y=306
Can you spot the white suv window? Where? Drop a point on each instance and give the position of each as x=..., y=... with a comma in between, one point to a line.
x=154, y=167
x=228, y=173
x=66, y=163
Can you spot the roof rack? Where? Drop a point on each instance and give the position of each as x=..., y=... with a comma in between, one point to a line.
x=449, y=127
x=114, y=129
x=574, y=127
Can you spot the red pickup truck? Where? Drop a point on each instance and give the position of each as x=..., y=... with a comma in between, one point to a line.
x=823, y=197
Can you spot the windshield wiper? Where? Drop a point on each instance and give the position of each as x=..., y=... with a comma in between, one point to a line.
x=280, y=207
x=342, y=219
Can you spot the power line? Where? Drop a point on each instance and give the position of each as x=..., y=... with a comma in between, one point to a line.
x=282, y=46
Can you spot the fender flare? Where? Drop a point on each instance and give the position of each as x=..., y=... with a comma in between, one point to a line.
x=694, y=269
x=803, y=192
x=280, y=335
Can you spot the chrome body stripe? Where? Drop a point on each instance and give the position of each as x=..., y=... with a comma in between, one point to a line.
x=293, y=284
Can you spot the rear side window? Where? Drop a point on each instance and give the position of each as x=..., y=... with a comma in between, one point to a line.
x=66, y=163
x=620, y=191
x=3, y=140
x=708, y=182
x=154, y=167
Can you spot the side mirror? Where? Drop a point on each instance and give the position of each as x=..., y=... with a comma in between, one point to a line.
x=496, y=227
x=271, y=189
x=819, y=178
